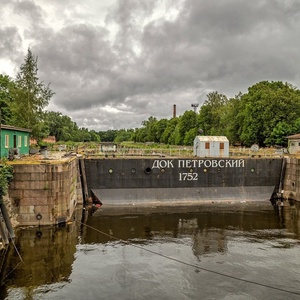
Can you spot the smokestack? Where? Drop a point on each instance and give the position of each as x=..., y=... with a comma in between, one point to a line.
x=174, y=111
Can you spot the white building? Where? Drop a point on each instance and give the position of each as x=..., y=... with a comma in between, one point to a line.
x=294, y=143
x=211, y=146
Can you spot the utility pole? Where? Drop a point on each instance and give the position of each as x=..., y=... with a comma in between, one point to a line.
x=195, y=105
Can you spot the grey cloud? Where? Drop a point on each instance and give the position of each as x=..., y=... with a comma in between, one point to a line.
x=10, y=43
x=223, y=46
x=10, y=40
x=30, y=10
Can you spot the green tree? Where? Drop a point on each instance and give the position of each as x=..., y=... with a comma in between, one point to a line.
x=186, y=122
x=159, y=128
x=62, y=127
x=265, y=106
x=31, y=97
x=108, y=136
x=123, y=136
x=94, y=136
x=150, y=126
x=166, y=136
x=190, y=137
x=231, y=120
x=141, y=135
x=212, y=114
x=279, y=134
x=7, y=87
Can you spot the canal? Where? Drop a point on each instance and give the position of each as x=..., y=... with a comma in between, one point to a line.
x=216, y=251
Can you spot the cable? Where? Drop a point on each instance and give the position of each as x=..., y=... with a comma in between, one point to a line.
x=3, y=256
x=21, y=260
x=195, y=266
x=13, y=242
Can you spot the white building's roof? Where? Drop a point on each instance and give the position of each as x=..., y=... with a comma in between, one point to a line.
x=294, y=137
x=205, y=138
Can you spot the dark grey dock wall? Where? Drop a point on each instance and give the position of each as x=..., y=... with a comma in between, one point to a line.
x=134, y=180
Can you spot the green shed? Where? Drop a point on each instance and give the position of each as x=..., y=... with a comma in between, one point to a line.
x=14, y=140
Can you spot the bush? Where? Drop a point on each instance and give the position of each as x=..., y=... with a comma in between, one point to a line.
x=6, y=175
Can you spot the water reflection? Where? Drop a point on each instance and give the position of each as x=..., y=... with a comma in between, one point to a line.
x=43, y=256
x=49, y=253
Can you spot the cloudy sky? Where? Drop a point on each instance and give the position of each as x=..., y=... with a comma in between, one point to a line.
x=114, y=63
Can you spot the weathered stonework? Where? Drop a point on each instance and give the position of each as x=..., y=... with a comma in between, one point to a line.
x=48, y=191
x=291, y=187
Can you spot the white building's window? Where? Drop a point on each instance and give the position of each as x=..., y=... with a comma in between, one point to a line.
x=6, y=141
x=19, y=141
x=25, y=141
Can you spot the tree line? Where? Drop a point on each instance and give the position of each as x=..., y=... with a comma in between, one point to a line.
x=265, y=115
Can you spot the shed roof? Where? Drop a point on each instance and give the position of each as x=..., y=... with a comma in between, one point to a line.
x=294, y=136
x=207, y=138
x=8, y=127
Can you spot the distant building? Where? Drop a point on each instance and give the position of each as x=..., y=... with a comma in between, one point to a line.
x=294, y=143
x=51, y=139
x=14, y=141
x=108, y=147
x=211, y=146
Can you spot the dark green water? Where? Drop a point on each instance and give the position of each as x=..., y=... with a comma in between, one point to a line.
x=244, y=251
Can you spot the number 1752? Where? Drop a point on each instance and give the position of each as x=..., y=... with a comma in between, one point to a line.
x=188, y=176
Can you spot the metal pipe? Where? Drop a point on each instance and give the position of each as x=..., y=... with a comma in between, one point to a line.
x=3, y=231
x=7, y=221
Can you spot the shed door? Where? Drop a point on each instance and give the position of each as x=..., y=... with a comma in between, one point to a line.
x=15, y=141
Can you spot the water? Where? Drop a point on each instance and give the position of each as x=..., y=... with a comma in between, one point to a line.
x=229, y=251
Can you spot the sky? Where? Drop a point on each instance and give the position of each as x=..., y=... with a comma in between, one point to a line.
x=114, y=63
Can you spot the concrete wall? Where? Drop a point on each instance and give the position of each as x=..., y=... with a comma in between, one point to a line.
x=48, y=189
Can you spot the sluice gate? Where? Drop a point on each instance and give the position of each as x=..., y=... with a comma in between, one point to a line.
x=125, y=181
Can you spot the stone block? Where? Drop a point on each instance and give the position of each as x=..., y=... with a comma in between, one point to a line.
x=38, y=176
x=33, y=201
x=26, y=209
x=44, y=210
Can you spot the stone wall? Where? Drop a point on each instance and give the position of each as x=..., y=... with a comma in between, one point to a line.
x=291, y=186
x=45, y=193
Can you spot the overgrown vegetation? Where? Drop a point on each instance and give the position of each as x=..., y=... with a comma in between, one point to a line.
x=6, y=175
x=265, y=115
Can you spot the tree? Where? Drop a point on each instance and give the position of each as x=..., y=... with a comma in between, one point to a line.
x=150, y=126
x=190, y=137
x=279, y=134
x=212, y=114
x=186, y=122
x=264, y=109
x=108, y=136
x=94, y=136
x=7, y=87
x=166, y=136
x=31, y=97
x=141, y=135
x=159, y=129
x=62, y=127
x=123, y=135
x=231, y=120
